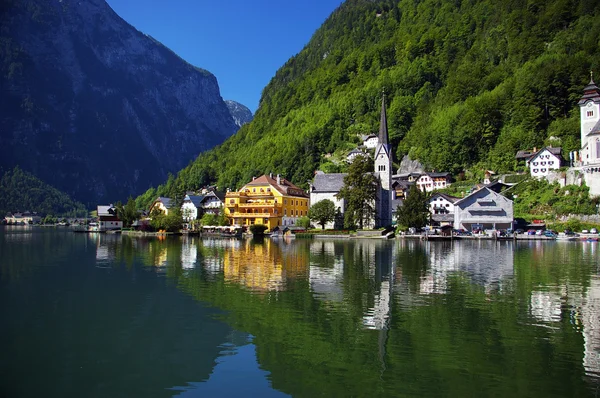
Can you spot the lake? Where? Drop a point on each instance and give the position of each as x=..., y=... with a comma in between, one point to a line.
x=100, y=315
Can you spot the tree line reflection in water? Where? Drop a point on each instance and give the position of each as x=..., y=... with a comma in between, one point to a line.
x=381, y=318
x=405, y=316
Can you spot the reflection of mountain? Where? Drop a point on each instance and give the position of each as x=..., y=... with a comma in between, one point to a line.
x=80, y=330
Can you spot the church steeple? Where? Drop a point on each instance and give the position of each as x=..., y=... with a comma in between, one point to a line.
x=383, y=171
x=383, y=129
x=590, y=92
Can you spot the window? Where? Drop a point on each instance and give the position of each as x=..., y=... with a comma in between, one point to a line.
x=285, y=201
x=535, y=170
x=590, y=113
x=543, y=170
x=253, y=189
x=232, y=201
x=285, y=212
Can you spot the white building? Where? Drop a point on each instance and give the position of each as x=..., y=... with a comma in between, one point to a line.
x=589, y=105
x=370, y=141
x=353, y=154
x=108, y=218
x=441, y=207
x=485, y=210
x=544, y=161
x=428, y=182
x=327, y=186
x=191, y=207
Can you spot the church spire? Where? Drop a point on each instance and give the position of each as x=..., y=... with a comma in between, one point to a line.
x=383, y=130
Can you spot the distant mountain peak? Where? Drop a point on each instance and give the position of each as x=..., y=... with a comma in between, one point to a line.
x=240, y=113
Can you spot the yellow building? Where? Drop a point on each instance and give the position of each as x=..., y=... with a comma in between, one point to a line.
x=268, y=200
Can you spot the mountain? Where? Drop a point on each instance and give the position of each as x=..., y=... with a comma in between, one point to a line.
x=96, y=108
x=22, y=191
x=240, y=113
x=467, y=82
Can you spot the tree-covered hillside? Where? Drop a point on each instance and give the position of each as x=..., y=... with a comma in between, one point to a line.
x=468, y=83
x=21, y=191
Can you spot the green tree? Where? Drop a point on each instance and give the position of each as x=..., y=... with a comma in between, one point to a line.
x=322, y=212
x=303, y=222
x=414, y=212
x=209, y=219
x=169, y=222
x=359, y=190
x=128, y=213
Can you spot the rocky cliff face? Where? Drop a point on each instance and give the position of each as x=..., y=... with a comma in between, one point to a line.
x=95, y=107
x=240, y=113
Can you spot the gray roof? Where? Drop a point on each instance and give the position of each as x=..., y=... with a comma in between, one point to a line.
x=332, y=182
x=448, y=217
x=165, y=201
x=595, y=130
x=109, y=210
x=195, y=199
x=449, y=198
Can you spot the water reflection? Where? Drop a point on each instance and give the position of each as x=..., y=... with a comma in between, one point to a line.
x=332, y=318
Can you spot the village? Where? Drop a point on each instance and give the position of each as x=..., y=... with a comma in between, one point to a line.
x=282, y=208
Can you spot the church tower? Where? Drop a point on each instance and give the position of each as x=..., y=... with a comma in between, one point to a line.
x=589, y=104
x=383, y=171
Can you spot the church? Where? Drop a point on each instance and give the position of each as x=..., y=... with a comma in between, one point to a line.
x=589, y=156
x=328, y=185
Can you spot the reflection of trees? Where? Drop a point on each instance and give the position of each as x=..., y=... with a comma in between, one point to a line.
x=468, y=341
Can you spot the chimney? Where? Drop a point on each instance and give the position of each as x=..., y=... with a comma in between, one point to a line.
x=278, y=180
x=253, y=178
x=534, y=149
x=270, y=175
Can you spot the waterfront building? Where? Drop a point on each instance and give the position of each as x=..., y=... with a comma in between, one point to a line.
x=441, y=207
x=484, y=209
x=267, y=200
x=22, y=218
x=108, y=218
x=327, y=186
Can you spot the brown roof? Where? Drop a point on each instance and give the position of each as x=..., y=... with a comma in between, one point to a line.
x=285, y=187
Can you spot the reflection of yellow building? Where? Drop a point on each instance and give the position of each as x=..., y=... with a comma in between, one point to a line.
x=264, y=267
x=266, y=200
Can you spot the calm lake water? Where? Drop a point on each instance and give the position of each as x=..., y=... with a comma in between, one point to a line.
x=114, y=316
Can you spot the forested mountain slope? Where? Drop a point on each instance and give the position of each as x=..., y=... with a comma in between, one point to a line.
x=468, y=83
x=22, y=191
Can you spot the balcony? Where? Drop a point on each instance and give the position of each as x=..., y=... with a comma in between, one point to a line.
x=252, y=215
x=270, y=205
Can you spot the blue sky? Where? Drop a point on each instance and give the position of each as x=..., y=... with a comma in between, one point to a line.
x=242, y=42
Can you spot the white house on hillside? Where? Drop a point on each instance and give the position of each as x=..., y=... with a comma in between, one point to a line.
x=370, y=141
x=544, y=161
